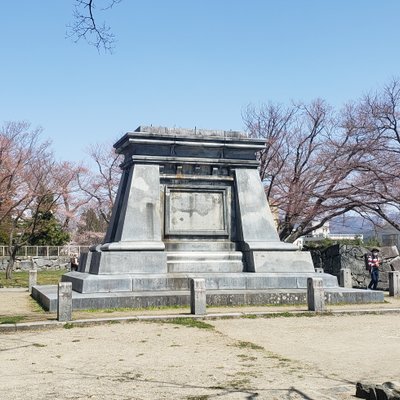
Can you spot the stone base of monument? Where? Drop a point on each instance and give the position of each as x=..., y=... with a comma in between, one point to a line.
x=191, y=204
x=152, y=290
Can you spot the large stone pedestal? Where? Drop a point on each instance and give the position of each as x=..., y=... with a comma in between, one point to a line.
x=190, y=204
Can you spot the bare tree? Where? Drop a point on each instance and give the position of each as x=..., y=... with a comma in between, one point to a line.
x=377, y=116
x=87, y=27
x=101, y=187
x=310, y=164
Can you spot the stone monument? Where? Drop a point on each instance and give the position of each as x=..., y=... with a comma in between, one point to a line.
x=190, y=205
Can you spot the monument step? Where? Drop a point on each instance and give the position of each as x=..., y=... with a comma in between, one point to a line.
x=47, y=296
x=204, y=255
x=200, y=245
x=90, y=283
x=204, y=261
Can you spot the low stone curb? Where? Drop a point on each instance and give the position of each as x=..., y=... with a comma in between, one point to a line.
x=46, y=325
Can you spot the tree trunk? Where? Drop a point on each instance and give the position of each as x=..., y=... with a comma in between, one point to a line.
x=12, y=251
x=10, y=267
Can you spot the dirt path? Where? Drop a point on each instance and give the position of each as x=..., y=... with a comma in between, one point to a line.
x=281, y=358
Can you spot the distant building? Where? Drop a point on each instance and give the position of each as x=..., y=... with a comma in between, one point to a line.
x=386, y=234
x=323, y=232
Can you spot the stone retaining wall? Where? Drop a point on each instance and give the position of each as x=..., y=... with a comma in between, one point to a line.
x=336, y=257
x=38, y=263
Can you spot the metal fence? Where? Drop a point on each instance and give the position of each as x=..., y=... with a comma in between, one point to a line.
x=46, y=251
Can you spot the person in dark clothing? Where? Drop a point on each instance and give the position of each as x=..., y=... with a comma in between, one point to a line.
x=374, y=263
x=74, y=262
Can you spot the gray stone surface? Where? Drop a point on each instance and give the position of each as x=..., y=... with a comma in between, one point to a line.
x=337, y=257
x=64, y=301
x=315, y=294
x=39, y=263
x=121, y=262
x=386, y=391
x=47, y=296
x=89, y=283
x=388, y=252
x=255, y=215
x=345, y=279
x=32, y=279
x=141, y=203
x=190, y=205
x=394, y=283
x=197, y=296
x=395, y=264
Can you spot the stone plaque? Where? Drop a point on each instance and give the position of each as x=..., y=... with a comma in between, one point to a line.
x=194, y=211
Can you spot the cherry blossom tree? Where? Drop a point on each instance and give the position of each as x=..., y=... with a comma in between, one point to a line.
x=28, y=185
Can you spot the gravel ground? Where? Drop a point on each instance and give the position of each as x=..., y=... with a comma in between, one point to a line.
x=263, y=358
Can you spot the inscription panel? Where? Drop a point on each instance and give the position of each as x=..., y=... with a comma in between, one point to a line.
x=195, y=211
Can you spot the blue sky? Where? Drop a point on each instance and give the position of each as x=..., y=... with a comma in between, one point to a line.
x=187, y=63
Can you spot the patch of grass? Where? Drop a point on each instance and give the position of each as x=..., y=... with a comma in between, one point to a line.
x=250, y=316
x=293, y=315
x=278, y=357
x=68, y=325
x=245, y=357
x=50, y=277
x=248, y=345
x=12, y=319
x=39, y=345
x=122, y=309
x=199, y=397
x=239, y=383
x=21, y=278
x=36, y=307
x=189, y=322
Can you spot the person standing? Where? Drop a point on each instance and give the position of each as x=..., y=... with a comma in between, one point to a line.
x=74, y=262
x=374, y=263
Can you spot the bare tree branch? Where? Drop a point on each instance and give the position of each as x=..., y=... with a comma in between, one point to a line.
x=85, y=25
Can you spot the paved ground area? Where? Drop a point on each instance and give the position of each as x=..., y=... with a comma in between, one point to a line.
x=264, y=358
x=315, y=358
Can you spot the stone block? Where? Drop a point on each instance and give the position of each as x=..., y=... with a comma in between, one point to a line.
x=141, y=204
x=362, y=390
x=395, y=264
x=394, y=283
x=91, y=283
x=386, y=391
x=197, y=296
x=315, y=294
x=64, y=304
x=389, y=252
x=279, y=261
x=255, y=215
x=32, y=279
x=125, y=262
x=345, y=279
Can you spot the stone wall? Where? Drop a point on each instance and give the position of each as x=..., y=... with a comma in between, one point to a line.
x=38, y=263
x=333, y=258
